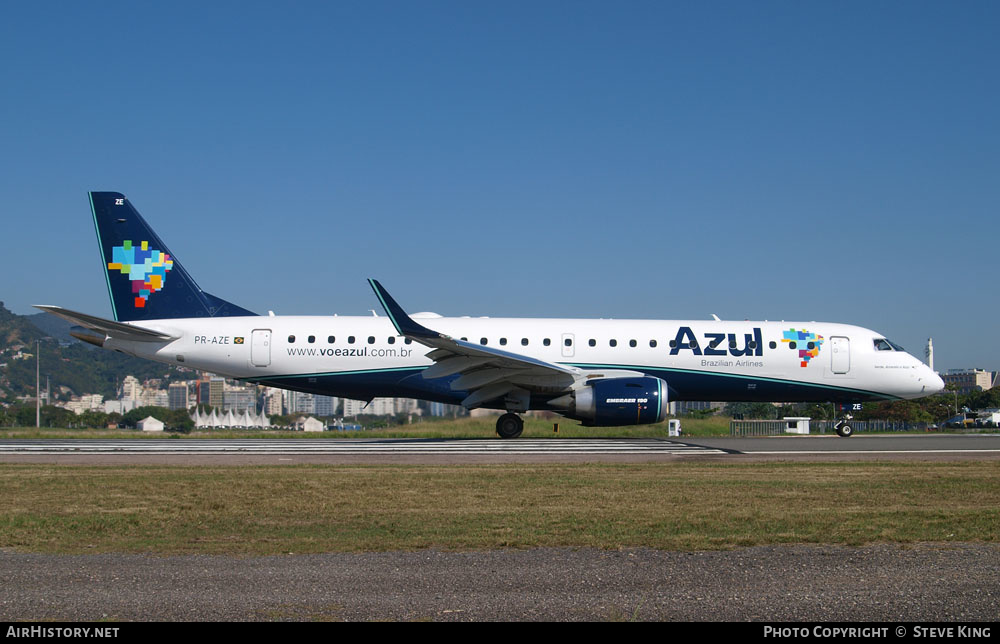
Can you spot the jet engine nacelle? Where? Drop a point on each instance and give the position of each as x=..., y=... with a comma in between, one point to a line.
x=616, y=401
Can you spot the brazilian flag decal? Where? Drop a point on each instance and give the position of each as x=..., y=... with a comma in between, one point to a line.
x=237, y=340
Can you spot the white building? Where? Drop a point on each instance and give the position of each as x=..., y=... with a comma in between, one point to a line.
x=150, y=424
x=354, y=407
x=310, y=424
x=244, y=420
x=131, y=388
x=274, y=401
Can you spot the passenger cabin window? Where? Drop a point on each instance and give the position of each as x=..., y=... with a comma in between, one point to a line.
x=312, y=339
x=632, y=343
x=652, y=344
x=524, y=342
x=483, y=341
x=613, y=343
x=546, y=342
x=392, y=339
x=291, y=339
x=503, y=342
x=568, y=342
x=592, y=342
x=330, y=339
x=350, y=339
x=371, y=339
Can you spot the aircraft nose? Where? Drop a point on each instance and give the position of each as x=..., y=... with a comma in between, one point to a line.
x=932, y=382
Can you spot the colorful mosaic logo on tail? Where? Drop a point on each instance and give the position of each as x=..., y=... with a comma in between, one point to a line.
x=808, y=344
x=146, y=267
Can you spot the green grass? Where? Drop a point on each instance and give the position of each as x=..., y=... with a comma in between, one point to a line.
x=460, y=428
x=677, y=506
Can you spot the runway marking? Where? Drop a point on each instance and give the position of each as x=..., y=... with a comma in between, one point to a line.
x=363, y=446
x=876, y=451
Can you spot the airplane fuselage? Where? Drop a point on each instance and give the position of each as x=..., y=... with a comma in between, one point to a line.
x=362, y=357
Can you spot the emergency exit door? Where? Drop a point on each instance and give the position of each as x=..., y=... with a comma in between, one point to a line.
x=840, y=354
x=260, y=347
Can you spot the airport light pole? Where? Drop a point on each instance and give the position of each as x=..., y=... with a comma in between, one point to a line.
x=38, y=384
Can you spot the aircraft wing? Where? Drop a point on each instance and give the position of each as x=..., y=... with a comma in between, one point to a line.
x=486, y=372
x=117, y=330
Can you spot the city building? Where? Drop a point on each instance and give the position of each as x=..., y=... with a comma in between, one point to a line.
x=238, y=399
x=439, y=409
x=131, y=388
x=325, y=405
x=177, y=395
x=353, y=407
x=297, y=402
x=216, y=392
x=966, y=381
x=274, y=403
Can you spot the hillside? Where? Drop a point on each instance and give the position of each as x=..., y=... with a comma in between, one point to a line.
x=73, y=367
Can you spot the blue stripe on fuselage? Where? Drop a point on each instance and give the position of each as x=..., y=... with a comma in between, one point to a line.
x=407, y=382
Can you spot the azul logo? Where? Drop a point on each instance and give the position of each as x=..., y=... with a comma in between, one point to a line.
x=806, y=343
x=717, y=344
x=146, y=268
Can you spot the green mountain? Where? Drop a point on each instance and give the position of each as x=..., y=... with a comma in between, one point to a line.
x=73, y=367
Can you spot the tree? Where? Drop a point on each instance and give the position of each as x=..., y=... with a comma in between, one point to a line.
x=761, y=410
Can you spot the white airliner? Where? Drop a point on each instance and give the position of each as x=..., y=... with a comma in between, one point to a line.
x=600, y=372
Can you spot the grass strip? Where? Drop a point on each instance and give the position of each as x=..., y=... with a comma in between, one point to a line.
x=678, y=506
x=427, y=428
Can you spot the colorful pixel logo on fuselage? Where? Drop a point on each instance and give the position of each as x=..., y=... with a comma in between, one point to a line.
x=807, y=352
x=146, y=268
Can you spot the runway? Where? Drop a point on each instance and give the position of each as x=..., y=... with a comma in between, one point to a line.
x=324, y=450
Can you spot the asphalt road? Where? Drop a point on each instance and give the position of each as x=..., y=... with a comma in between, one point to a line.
x=794, y=583
x=447, y=451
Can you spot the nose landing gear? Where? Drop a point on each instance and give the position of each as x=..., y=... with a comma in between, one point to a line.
x=843, y=427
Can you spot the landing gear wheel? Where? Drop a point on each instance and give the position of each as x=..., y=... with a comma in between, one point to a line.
x=510, y=426
x=844, y=430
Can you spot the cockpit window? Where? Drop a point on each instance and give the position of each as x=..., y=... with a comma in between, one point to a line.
x=881, y=344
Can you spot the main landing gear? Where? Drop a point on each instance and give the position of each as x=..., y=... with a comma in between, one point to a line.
x=843, y=426
x=510, y=426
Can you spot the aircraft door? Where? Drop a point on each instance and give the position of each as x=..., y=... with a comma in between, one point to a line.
x=840, y=354
x=260, y=347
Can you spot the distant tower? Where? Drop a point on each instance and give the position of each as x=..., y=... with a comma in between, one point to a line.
x=930, y=353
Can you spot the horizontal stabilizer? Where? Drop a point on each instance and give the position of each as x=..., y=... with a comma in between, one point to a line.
x=117, y=330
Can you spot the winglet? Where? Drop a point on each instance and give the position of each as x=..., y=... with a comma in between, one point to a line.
x=404, y=323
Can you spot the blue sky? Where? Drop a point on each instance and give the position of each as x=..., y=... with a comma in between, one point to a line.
x=764, y=160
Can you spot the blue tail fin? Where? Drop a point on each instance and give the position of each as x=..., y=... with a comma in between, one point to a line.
x=145, y=280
